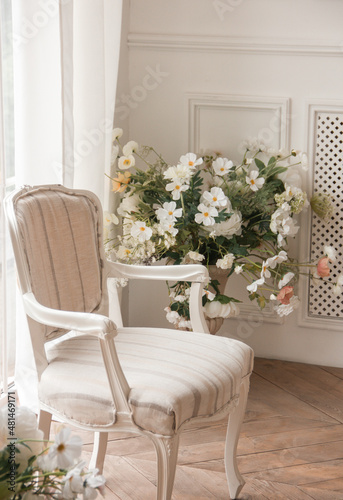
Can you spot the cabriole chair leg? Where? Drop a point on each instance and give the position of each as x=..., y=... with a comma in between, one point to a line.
x=234, y=478
x=167, y=451
x=99, y=451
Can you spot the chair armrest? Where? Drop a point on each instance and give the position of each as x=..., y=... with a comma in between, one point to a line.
x=90, y=323
x=190, y=272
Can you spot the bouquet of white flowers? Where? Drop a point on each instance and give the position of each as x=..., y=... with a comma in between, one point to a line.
x=208, y=210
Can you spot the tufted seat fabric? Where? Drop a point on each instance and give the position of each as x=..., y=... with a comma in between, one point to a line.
x=174, y=376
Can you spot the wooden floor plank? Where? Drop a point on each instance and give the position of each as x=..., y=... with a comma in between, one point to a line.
x=285, y=376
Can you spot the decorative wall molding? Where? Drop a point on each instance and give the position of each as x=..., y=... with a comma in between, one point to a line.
x=323, y=167
x=209, y=43
x=279, y=110
x=279, y=107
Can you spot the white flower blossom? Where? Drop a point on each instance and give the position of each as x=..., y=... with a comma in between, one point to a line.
x=117, y=133
x=264, y=270
x=277, y=259
x=169, y=212
x=194, y=257
x=222, y=166
x=206, y=215
x=128, y=204
x=110, y=219
x=176, y=187
x=210, y=296
x=172, y=316
x=330, y=252
x=239, y=269
x=255, y=182
x=141, y=231
x=168, y=225
x=65, y=450
x=181, y=173
x=229, y=227
x=216, y=197
x=253, y=286
x=226, y=262
x=190, y=160
x=126, y=162
x=130, y=147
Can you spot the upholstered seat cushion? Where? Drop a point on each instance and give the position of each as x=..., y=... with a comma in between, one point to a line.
x=174, y=376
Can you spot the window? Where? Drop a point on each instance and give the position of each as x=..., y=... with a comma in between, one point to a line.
x=7, y=184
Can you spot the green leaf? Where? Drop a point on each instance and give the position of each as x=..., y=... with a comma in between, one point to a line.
x=260, y=165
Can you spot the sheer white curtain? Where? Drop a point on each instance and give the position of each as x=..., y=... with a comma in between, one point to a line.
x=66, y=55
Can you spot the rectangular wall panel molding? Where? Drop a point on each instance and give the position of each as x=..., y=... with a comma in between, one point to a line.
x=325, y=126
x=223, y=122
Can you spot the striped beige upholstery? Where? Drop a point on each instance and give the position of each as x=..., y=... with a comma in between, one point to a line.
x=64, y=270
x=174, y=376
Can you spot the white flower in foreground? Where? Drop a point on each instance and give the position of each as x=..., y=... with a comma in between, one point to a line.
x=140, y=231
x=226, y=262
x=169, y=212
x=117, y=133
x=286, y=279
x=206, y=215
x=176, y=187
x=255, y=182
x=25, y=428
x=73, y=482
x=65, y=450
x=110, y=219
x=130, y=147
x=265, y=271
x=229, y=227
x=125, y=162
x=222, y=166
x=277, y=259
x=286, y=309
x=93, y=482
x=190, y=160
x=253, y=286
x=330, y=252
x=216, y=197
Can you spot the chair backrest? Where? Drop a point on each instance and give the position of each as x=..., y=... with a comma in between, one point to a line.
x=58, y=235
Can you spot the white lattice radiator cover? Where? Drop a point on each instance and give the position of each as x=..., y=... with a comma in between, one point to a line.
x=328, y=178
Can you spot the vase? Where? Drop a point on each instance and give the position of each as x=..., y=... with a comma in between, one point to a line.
x=221, y=275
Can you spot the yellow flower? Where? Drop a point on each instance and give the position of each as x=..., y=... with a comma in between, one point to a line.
x=120, y=183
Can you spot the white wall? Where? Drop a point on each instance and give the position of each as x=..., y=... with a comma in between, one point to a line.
x=207, y=74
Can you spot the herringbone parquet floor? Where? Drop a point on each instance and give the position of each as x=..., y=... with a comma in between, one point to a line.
x=291, y=444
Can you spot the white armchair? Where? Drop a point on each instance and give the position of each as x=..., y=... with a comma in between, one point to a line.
x=103, y=376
